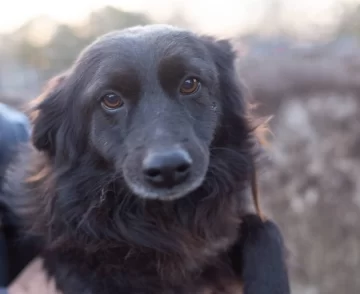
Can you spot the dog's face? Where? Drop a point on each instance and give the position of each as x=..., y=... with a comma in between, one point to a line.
x=154, y=117
x=147, y=100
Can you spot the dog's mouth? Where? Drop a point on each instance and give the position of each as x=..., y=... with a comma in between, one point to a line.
x=167, y=174
x=165, y=194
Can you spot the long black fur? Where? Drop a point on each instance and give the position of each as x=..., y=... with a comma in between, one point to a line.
x=77, y=192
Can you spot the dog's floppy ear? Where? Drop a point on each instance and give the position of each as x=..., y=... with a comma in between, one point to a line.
x=224, y=56
x=231, y=87
x=46, y=115
x=221, y=50
x=235, y=98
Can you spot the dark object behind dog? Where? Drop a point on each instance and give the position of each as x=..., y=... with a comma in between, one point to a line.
x=14, y=130
x=144, y=153
x=14, y=254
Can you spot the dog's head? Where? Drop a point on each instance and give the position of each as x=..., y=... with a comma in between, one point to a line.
x=147, y=104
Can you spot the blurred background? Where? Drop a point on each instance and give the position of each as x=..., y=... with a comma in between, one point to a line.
x=301, y=62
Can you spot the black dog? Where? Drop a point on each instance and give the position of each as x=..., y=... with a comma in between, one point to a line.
x=144, y=151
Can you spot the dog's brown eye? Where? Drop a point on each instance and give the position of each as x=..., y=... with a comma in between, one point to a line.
x=189, y=86
x=111, y=101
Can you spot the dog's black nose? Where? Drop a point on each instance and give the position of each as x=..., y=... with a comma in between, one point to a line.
x=168, y=168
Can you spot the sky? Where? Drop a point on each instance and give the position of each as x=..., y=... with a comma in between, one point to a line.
x=217, y=16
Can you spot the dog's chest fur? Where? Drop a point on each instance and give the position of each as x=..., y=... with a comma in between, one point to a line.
x=74, y=278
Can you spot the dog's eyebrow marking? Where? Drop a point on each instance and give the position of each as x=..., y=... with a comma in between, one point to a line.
x=126, y=82
x=177, y=64
x=124, y=79
x=174, y=67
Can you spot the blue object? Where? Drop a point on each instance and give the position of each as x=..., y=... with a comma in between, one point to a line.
x=14, y=129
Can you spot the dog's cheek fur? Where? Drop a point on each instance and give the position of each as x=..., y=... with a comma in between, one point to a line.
x=207, y=116
x=106, y=136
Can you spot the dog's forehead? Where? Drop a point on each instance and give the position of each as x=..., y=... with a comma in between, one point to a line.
x=146, y=34
x=142, y=54
x=150, y=42
x=151, y=31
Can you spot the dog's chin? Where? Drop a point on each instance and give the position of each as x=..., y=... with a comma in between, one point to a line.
x=165, y=194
